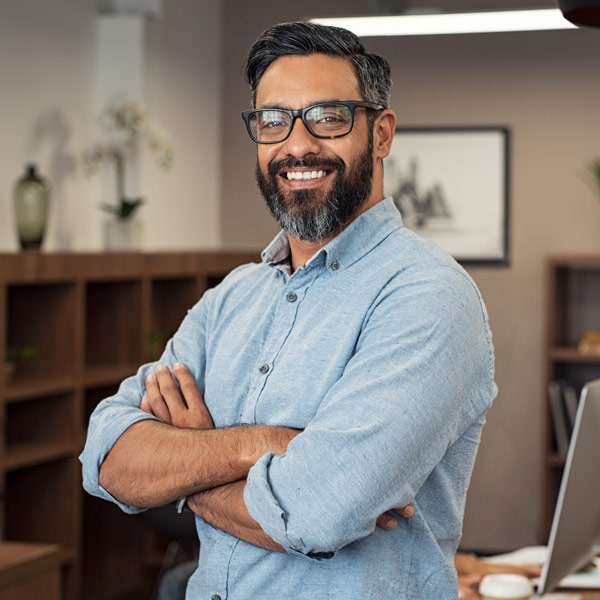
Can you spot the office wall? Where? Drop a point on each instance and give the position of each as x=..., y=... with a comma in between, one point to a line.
x=544, y=87
x=47, y=116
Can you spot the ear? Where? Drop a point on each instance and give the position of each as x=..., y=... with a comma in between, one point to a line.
x=383, y=133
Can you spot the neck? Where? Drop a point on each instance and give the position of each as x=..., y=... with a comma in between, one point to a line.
x=301, y=251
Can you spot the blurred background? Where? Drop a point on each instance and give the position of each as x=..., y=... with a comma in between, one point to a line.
x=61, y=61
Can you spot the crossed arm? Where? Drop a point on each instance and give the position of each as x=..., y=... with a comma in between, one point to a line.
x=216, y=461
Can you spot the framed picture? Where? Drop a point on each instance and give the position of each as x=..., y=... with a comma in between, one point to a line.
x=451, y=186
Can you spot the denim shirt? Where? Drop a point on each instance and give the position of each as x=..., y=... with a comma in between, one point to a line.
x=379, y=349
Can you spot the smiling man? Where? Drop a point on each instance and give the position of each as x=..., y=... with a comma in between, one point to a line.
x=347, y=374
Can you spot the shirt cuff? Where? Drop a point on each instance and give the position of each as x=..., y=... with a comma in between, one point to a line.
x=94, y=453
x=265, y=509
x=180, y=505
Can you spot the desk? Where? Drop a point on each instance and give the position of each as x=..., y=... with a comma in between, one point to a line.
x=29, y=571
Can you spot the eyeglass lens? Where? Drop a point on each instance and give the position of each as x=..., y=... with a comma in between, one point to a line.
x=326, y=120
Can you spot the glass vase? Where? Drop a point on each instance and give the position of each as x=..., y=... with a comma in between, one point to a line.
x=32, y=194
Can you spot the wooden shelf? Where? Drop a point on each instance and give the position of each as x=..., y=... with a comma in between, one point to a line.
x=108, y=374
x=572, y=355
x=92, y=320
x=20, y=456
x=573, y=307
x=17, y=392
x=22, y=564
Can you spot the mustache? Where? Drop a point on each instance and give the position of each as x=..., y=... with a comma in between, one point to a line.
x=312, y=162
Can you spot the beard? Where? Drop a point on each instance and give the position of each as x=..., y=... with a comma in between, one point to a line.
x=312, y=214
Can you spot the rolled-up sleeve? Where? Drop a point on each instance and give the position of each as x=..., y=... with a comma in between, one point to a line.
x=114, y=415
x=421, y=374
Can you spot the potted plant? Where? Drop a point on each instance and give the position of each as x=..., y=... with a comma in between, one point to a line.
x=127, y=129
x=13, y=356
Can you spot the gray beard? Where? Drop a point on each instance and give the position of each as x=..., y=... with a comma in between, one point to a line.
x=306, y=214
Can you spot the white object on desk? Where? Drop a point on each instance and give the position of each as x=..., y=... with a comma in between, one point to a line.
x=536, y=555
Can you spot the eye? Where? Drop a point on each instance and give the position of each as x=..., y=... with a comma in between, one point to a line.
x=272, y=119
x=329, y=117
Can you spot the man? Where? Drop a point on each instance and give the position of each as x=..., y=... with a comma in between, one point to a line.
x=357, y=355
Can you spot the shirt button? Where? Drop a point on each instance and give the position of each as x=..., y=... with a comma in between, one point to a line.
x=292, y=297
x=264, y=369
x=335, y=265
x=215, y=597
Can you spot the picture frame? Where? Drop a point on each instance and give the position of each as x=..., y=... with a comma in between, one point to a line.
x=451, y=185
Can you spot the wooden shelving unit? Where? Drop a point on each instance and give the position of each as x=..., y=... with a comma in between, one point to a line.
x=87, y=322
x=573, y=297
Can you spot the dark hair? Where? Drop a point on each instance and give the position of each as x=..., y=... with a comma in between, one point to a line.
x=303, y=39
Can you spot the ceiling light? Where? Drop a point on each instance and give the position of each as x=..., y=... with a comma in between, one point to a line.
x=448, y=23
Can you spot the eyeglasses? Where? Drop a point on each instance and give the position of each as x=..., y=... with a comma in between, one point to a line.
x=326, y=120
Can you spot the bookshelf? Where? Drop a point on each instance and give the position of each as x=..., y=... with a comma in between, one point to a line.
x=78, y=325
x=573, y=307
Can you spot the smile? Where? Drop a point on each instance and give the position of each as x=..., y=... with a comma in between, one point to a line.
x=305, y=175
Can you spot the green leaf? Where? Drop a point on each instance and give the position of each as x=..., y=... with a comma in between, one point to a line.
x=128, y=207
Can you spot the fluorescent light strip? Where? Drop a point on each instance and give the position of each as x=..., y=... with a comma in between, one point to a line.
x=436, y=24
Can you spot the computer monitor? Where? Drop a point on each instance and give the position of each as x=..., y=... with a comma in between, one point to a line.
x=576, y=523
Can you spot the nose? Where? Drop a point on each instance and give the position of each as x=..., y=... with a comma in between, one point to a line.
x=300, y=141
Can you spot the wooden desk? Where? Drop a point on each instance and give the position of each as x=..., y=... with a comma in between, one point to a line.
x=30, y=571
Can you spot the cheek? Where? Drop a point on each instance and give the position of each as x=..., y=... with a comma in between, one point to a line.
x=264, y=156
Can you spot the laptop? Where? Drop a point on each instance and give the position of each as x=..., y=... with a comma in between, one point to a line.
x=576, y=523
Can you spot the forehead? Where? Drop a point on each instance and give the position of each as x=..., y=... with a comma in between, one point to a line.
x=298, y=81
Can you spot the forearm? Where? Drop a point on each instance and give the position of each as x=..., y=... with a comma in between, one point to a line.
x=153, y=464
x=224, y=508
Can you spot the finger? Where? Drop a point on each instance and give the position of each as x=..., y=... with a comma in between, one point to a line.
x=386, y=521
x=156, y=401
x=169, y=391
x=407, y=511
x=191, y=393
x=145, y=405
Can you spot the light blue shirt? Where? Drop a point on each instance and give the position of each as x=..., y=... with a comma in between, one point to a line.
x=379, y=349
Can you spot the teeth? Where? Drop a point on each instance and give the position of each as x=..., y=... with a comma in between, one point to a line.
x=305, y=174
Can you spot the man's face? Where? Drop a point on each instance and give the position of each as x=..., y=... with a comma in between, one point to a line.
x=341, y=168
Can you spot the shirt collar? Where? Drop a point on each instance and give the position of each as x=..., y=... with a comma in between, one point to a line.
x=354, y=242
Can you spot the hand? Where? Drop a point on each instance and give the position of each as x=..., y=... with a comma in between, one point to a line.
x=387, y=521
x=467, y=587
x=163, y=399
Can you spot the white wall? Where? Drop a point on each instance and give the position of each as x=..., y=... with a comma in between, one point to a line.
x=183, y=85
x=47, y=116
x=46, y=51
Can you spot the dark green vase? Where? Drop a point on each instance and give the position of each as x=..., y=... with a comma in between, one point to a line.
x=31, y=208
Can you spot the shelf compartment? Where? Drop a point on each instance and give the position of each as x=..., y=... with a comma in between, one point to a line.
x=51, y=516
x=577, y=307
x=40, y=321
x=171, y=299
x=45, y=420
x=114, y=573
x=113, y=323
x=95, y=395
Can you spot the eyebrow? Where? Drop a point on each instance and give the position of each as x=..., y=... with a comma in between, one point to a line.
x=283, y=107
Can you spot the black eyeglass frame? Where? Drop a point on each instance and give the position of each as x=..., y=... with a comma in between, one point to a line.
x=300, y=114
